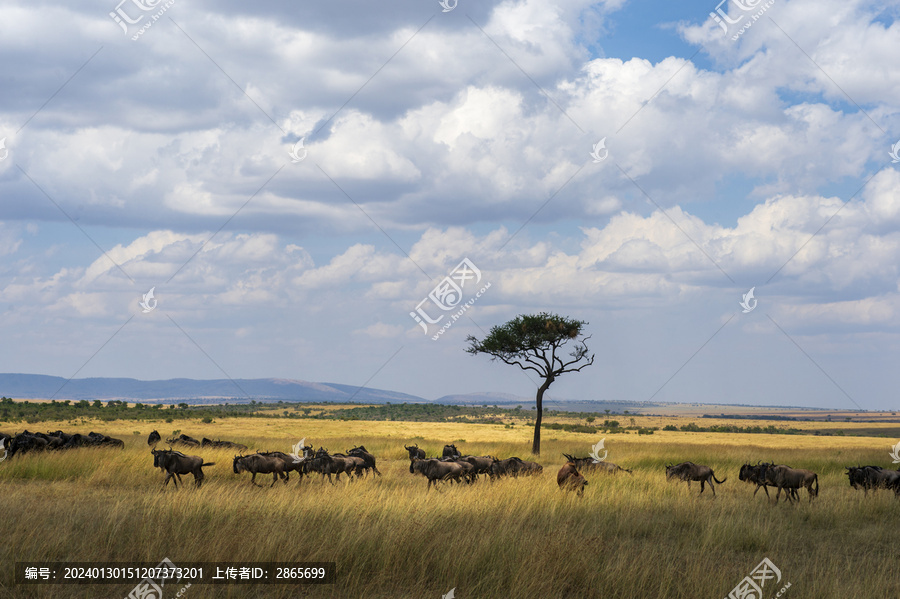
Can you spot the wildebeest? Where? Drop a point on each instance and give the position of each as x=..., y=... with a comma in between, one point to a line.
x=793, y=478
x=436, y=470
x=239, y=447
x=415, y=452
x=450, y=451
x=762, y=475
x=291, y=463
x=175, y=463
x=367, y=458
x=258, y=463
x=688, y=471
x=569, y=479
x=874, y=477
x=587, y=464
x=327, y=464
x=480, y=464
x=183, y=439
x=153, y=439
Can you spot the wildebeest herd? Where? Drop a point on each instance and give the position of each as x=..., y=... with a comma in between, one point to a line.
x=26, y=441
x=451, y=466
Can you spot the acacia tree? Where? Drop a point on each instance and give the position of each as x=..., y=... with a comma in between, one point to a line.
x=534, y=342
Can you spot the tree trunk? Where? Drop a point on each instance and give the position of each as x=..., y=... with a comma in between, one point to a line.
x=539, y=405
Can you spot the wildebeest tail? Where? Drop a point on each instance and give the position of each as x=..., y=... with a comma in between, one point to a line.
x=719, y=481
x=817, y=484
x=207, y=464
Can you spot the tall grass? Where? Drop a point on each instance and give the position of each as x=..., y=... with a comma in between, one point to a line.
x=629, y=536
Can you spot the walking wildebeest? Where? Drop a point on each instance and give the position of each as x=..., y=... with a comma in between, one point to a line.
x=480, y=464
x=589, y=463
x=450, y=451
x=794, y=478
x=415, y=452
x=874, y=477
x=367, y=458
x=175, y=463
x=435, y=470
x=258, y=463
x=688, y=471
x=762, y=475
x=569, y=479
x=291, y=463
x=153, y=439
x=326, y=465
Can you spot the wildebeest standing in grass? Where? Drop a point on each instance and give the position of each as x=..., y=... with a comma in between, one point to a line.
x=450, y=451
x=436, y=470
x=327, y=464
x=175, y=463
x=415, y=452
x=794, y=478
x=291, y=463
x=153, y=439
x=569, y=479
x=368, y=459
x=588, y=464
x=762, y=475
x=480, y=464
x=258, y=463
x=874, y=477
x=688, y=471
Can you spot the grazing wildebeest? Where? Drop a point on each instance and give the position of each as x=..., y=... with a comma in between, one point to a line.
x=183, y=439
x=239, y=447
x=589, y=463
x=874, y=477
x=367, y=458
x=415, y=452
x=436, y=470
x=258, y=463
x=153, y=439
x=569, y=479
x=688, y=471
x=175, y=463
x=793, y=478
x=451, y=452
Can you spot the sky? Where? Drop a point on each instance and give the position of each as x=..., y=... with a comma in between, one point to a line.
x=306, y=186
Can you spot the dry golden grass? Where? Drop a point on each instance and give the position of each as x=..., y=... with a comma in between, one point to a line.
x=629, y=536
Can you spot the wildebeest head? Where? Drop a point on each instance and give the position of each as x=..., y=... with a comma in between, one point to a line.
x=238, y=465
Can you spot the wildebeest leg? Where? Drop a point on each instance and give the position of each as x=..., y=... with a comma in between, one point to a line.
x=198, y=478
x=702, y=484
x=253, y=480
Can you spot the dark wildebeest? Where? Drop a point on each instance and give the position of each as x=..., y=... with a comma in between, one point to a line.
x=367, y=458
x=240, y=447
x=25, y=442
x=415, y=452
x=762, y=476
x=589, y=463
x=451, y=452
x=569, y=479
x=874, y=477
x=507, y=467
x=326, y=465
x=153, y=439
x=258, y=463
x=480, y=464
x=183, y=439
x=688, y=471
x=176, y=463
x=291, y=463
x=436, y=470
x=793, y=478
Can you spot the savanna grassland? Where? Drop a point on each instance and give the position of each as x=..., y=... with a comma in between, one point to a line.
x=629, y=536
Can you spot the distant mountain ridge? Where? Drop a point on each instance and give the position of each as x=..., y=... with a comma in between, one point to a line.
x=39, y=386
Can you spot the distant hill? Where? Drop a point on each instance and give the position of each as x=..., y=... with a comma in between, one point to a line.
x=37, y=386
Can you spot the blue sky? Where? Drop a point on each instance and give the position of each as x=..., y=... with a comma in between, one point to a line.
x=730, y=161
